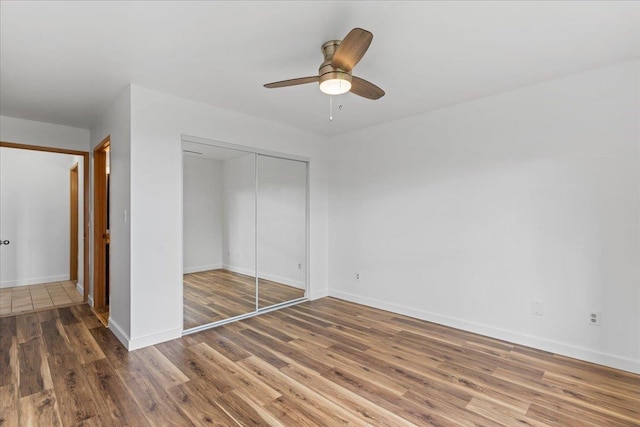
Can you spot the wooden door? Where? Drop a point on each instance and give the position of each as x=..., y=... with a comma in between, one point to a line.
x=100, y=226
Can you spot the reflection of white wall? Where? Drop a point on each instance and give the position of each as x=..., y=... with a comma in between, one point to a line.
x=202, y=214
x=238, y=213
x=34, y=204
x=282, y=220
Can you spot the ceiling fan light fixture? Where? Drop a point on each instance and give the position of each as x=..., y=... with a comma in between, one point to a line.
x=335, y=83
x=335, y=86
x=334, y=74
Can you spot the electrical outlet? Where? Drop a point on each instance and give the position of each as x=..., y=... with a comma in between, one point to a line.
x=299, y=266
x=357, y=276
x=594, y=318
x=537, y=308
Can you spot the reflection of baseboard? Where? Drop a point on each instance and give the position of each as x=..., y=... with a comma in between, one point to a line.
x=35, y=281
x=266, y=276
x=198, y=269
x=283, y=280
x=239, y=270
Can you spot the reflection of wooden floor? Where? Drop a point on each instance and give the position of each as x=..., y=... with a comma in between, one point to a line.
x=210, y=296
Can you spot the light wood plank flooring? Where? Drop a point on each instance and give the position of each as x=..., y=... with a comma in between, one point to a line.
x=210, y=296
x=320, y=363
x=22, y=299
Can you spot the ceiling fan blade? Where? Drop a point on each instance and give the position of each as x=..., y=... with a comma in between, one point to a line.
x=352, y=49
x=292, y=82
x=365, y=89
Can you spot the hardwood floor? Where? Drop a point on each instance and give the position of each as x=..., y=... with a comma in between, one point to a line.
x=210, y=296
x=320, y=363
x=103, y=314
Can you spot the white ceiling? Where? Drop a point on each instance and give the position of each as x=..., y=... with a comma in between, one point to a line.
x=64, y=62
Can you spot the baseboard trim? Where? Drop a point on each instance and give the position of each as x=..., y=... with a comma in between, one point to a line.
x=153, y=339
x=575, y=352
x=35, y=281
x=119, y=332
x=198, y=269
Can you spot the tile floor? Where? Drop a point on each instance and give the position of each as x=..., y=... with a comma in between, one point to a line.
x=44, y=296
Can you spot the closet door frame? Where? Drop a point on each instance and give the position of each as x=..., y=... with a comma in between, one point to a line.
x=256, y=152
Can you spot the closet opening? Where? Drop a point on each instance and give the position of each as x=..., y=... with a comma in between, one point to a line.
x=245, y=232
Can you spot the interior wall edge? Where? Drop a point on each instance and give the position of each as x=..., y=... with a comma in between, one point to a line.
x=588, y=355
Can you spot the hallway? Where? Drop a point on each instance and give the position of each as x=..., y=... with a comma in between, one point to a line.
x=43, y=296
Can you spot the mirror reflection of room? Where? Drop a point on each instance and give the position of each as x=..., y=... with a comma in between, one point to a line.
x=282, y=210
x=219, y=235
x=237, y=204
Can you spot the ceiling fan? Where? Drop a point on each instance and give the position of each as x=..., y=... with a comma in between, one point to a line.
x=334, y=74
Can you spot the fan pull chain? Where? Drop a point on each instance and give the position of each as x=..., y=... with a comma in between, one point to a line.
x=330, y=108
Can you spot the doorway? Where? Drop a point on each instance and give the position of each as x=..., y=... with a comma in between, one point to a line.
x=101, y=236
x=43, y=280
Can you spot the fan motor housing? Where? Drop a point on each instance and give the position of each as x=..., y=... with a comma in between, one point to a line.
x=326, y=71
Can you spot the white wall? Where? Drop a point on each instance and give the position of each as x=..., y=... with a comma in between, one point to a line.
x=202, y=207
x=116, y=122
x=43, y=134
x=239, y=214
x=466, y=215
x=158, y=120
x=34, y=205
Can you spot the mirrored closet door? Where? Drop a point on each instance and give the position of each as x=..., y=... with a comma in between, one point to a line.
x=219, y=234
x=282, y=230
x=245, y=228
